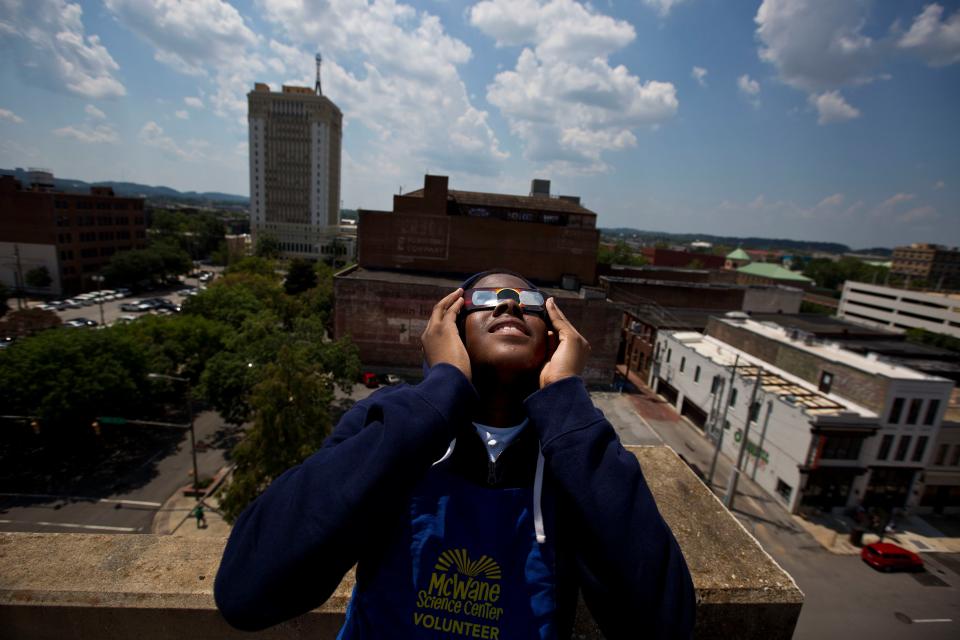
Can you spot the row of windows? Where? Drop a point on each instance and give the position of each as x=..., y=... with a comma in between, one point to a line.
x=85, y=204
x=913, y=412
x=93, y=252
x=102, y=221
x=903, y=446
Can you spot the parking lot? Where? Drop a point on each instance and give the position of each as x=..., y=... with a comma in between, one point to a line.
x=109, y=312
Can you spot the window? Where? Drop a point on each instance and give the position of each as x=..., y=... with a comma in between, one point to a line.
x=919, y=450
x=913, y=414
x=89, y=253
x=714, y=384
x=754, y=411
x=669, y=353
x=826, y=379
x=885, y=445
x=784, y=490
x=683, y=364
x=733, y=397
x=841, y=448
x=895, y=410
x=942, y=454
x=696, y=374
x=932, y=409
x=902, y=447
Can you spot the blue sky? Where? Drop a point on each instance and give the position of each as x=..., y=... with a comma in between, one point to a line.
x=805, y=119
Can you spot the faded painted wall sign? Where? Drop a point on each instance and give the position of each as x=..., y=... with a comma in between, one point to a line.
x=424, y=237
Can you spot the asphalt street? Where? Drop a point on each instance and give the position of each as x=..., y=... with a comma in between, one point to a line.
x=130, y=511
x=844, y=597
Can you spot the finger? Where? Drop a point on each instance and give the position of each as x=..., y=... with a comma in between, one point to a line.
x=450, y=315
x=441, y=307
x=559, y=321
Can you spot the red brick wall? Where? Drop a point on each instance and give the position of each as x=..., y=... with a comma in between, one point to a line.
x=670, y=258
x=385, y=320
x=676, y=295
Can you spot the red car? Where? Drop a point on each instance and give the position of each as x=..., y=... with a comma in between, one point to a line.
x=370, y=380
x=884, y=556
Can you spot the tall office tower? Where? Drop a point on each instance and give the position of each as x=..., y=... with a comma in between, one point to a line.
x=295, y=168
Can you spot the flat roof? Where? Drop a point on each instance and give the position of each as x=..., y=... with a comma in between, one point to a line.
x=445, y=281
x=506, y=200
x=773, y=380
x=831, y=351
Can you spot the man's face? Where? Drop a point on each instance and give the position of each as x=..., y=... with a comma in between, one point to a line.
x=505, y=338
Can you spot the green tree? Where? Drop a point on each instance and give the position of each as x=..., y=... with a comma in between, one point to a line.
x=620, y=254
x=300, y=277
x=292, y=411
x=829, y=274
x=227, y=301
x=179, y=344
x=68, y=377
x=942, y=340
x=26, y=322
x=38, y=278
x=267, y=247
x=255, y=265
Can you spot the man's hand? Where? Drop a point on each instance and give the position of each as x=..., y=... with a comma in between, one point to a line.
x=569, y=349
x=441, y=339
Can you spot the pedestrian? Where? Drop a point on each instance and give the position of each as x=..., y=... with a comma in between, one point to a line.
x=201, y=517
x=478, y=503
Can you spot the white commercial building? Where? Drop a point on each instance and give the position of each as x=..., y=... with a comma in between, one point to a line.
x=900, y=309
x=294, y=147
x=808, y=444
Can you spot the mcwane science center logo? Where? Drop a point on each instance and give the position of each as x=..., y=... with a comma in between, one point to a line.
x=462, y=596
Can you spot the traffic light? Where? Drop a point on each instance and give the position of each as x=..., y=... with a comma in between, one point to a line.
x=96, y=428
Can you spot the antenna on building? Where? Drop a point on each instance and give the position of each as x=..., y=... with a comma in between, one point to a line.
x=317, y=88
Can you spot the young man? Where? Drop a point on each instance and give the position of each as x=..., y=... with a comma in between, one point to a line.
x=475, y=504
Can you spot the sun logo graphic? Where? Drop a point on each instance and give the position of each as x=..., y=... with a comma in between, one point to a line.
x=485, y=567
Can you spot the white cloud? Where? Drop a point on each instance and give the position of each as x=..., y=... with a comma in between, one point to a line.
x=939, y=184
x=831, y=107
x=563, y=30
x=94, y=113
x=395, y=70
x=750, y=89
x=936, y=40
x=919, y=215
x=700, y=75
x=193, y=102
x=563, y=99
x=152, y=135
x=102, y=133
x=182, y=114
x=190, y=36
x=47, y=43
x=10, y=116
x=831, y=201
x=817, y=44
x=747, y=85
x=663, y=7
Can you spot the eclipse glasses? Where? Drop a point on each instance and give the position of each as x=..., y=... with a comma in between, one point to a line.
x=529, y=300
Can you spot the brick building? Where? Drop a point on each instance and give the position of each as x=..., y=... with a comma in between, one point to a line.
x=384, y=313
x=936, y=264
x=73, y=235
x=551, y=240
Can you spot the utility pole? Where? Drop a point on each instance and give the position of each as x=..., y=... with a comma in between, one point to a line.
x=723, y=421
x=19, y=278
x=735, y=475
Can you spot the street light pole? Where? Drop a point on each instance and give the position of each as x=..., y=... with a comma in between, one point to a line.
x=193, y=437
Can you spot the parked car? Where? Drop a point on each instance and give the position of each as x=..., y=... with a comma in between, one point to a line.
x=71, y=304
x=123, y=292
x=133, y=305
x=391, y=379
x=370, y=380
x=125, y=319
x=885, y=556
x=78, y=323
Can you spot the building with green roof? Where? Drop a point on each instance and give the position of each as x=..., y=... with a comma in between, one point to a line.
x=736, y=259
x=768, y=273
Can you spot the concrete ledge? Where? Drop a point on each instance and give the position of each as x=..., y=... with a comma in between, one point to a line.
x=150, y=586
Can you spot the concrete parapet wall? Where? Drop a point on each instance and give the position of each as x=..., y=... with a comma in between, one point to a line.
x=148, y=586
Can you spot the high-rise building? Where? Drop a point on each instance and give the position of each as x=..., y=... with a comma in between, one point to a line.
x=294, y=149
x=939, y=266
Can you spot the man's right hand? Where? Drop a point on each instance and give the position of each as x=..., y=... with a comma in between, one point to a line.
x=441, y=339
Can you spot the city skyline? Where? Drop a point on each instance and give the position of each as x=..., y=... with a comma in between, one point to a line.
x=782, y=118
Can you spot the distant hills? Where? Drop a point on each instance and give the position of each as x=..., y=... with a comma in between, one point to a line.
x=783, y=244
x=134, y=189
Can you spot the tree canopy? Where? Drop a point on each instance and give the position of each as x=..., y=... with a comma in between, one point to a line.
x=38, y=278
x=620, y=254
x=829, y=274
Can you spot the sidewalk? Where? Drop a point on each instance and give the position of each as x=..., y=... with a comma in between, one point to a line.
x=174, y=517
x=754, y=506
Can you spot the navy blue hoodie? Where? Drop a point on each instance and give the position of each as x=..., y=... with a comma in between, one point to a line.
x=292, y=546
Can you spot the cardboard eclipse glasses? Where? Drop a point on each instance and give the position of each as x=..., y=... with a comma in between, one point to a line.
x=529, y=300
